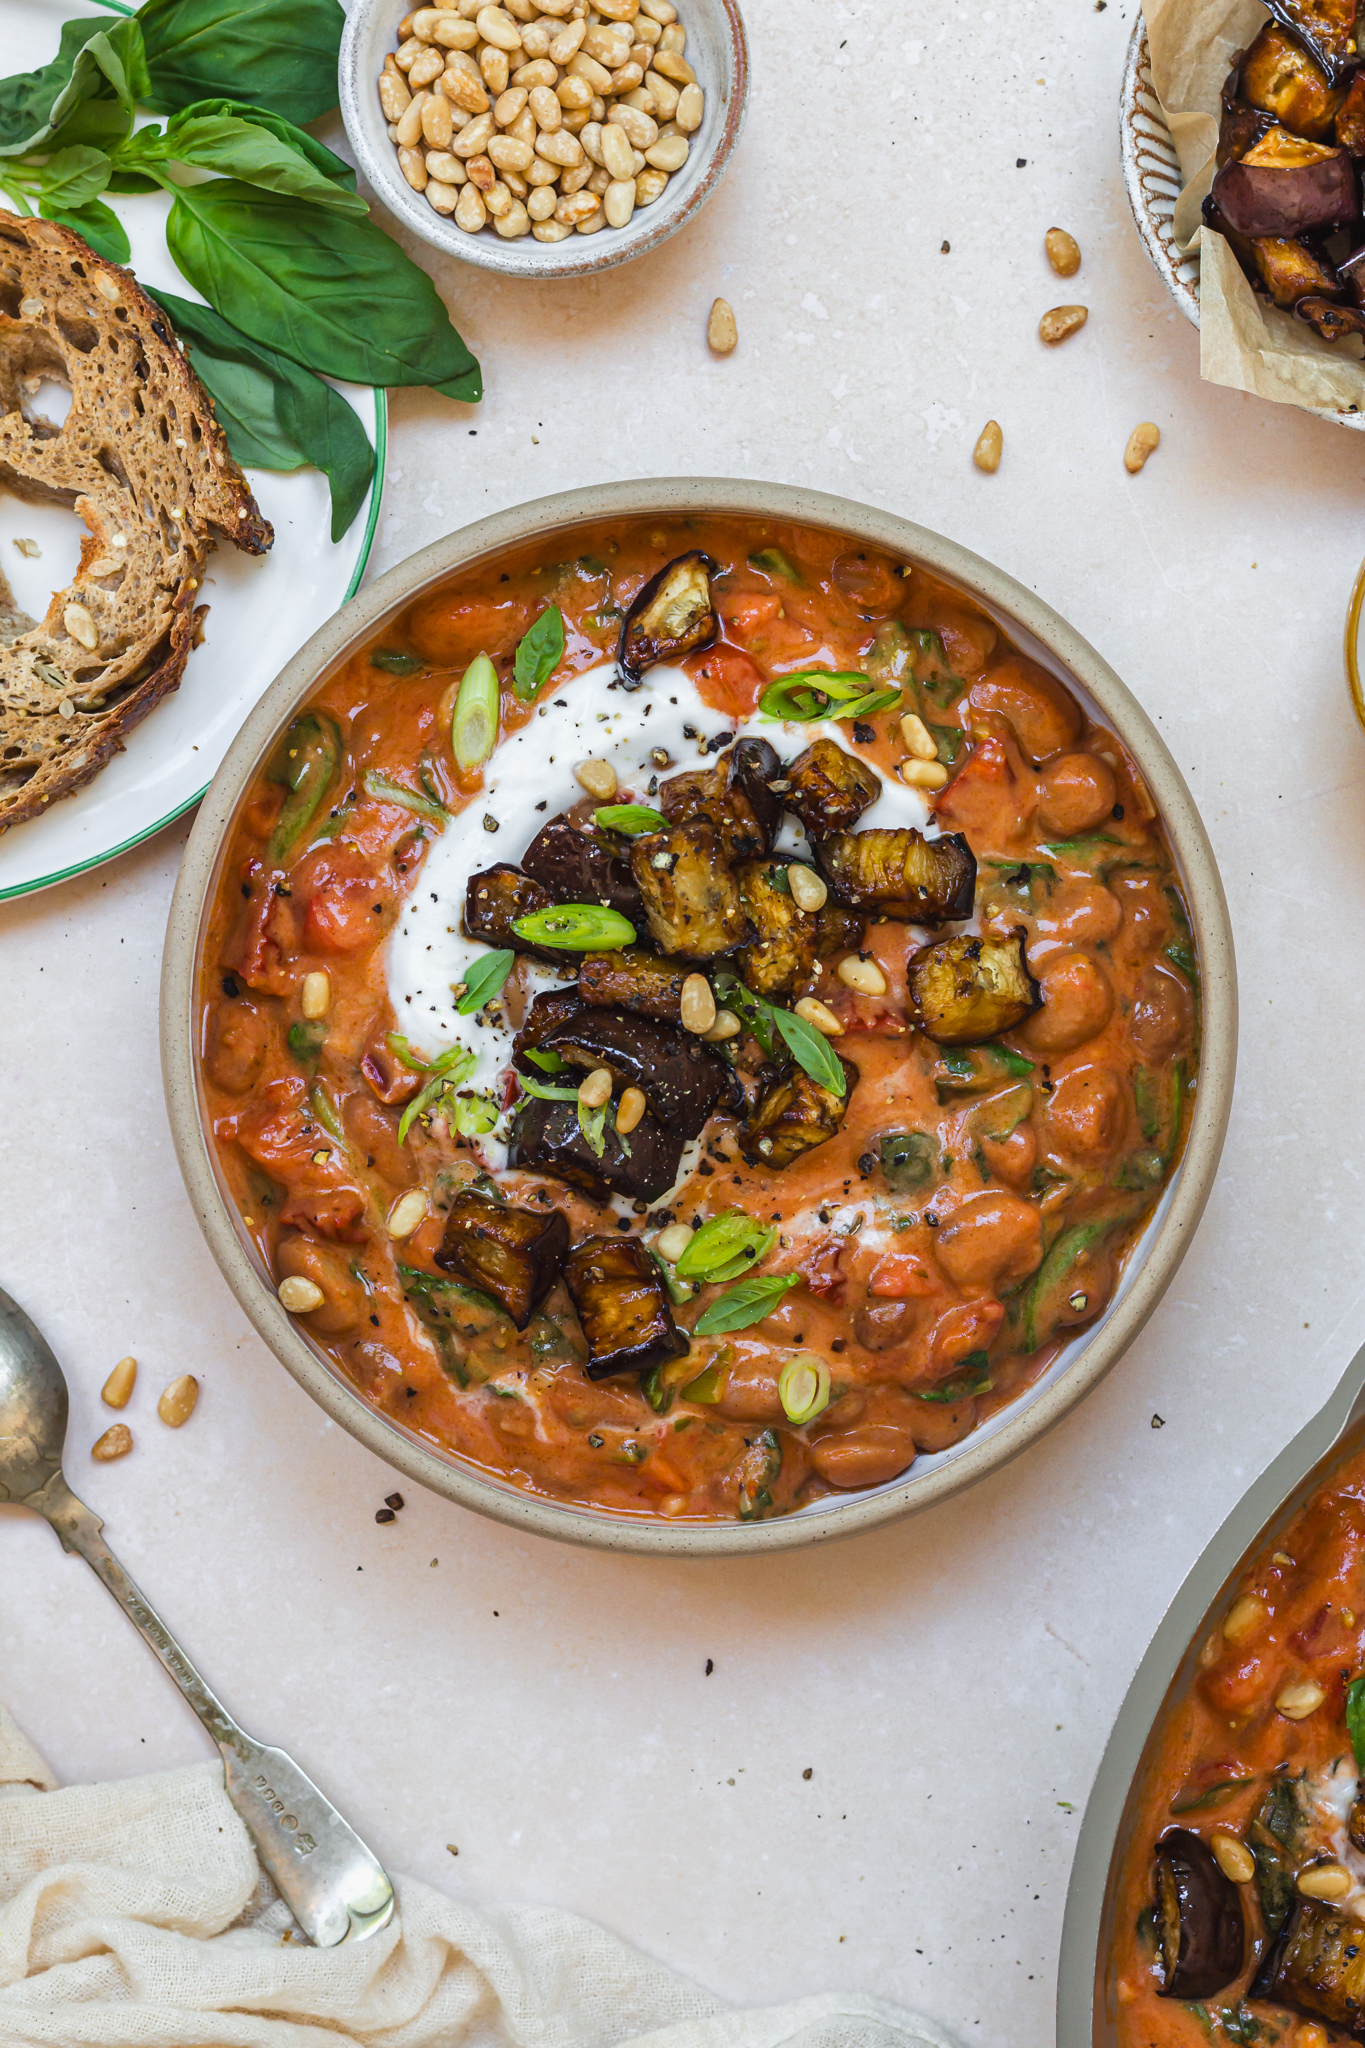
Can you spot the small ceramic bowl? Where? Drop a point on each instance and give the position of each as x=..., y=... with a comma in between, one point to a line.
x=717, y=52
x=1152, y=1263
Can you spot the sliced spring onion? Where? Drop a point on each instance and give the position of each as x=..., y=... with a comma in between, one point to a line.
x=776, y=562
x=576, y=928
x=544, y=1092
x=706, y=1387
x=390, y=792
x=725, y=1247
x=1355, y=1719
x=803, y=1387
x=632, y=818
x=474, y=725
x=813, y=693
x=484, y=980
x=539, y=655
x=549, y=1062
x=446, y=1072
x=748, y=1303
x=325, y=1110
x=593, y=1124
x=474, y=1116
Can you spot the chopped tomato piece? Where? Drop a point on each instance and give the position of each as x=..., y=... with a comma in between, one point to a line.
x=1232, y=1687
x=901, y=1276
x=267, y=933
x=819, y=1268
x=287, y=1141
x=745, y=611
x=727, y=679
x=448, y=630
x=346, y=905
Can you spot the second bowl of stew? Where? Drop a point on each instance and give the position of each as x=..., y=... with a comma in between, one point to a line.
x=698, y=1016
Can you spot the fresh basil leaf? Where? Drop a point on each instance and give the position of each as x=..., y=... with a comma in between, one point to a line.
x=632, y=818
x=484, y=980
x=593, y=1124
x=814, y=693
x=334, y=294
x=26, y=98
x=88, y=92
x=811, y=1050
x=96, y=224
x=71, y=177
x=319, y=156
x=549, y=1061
x=240, y=149
x=281, y=416
x=282, y=54
x=1355, y=1719
x=974, y=1378
x=725, y=1247
x=539, y=654
x=748, y=1303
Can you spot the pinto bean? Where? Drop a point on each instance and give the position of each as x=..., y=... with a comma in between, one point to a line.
x=1162, y=1020
x=238, y=1037
x=1087, y=1114
x=990, y=1240
x=1078, y=911
x=940, y=1424
x=343, y=1302
x=871, y=582
x=1078, y=1001
x=750, y=1393
x=882, y=1325
x=1075, y=792
x=1012, y=1159
x=969, y=641
x=374, y=1134
x=1146, y=917
x=863, y=1457
x=1045, y=717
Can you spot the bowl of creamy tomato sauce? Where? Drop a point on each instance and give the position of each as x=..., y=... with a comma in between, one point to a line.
x=698, y=1016
x=1220, y=1876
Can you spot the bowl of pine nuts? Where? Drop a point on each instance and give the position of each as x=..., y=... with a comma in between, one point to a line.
x=512, y=133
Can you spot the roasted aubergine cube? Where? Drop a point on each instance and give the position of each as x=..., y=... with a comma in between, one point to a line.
x=1332, y=322
x=721, y=799
x=493, y=898
x=1200, y=1932
x=1327, y=28
x=547, y=1137
x=793, y=1115
x=513, y=1254
x=1278, y=77
x=691, y=898
x=1292, y=270
x=582, y=867
x=753, y=768
x=619, y=1295
x=1349, y=127
x=672, y=616
x=829, y=790
x=683, y=1082
x=965, y=990
x=1286, y=186
x=901, y=874
x=552, y=1006
x=781, y=958
x=838, y=931
x=633, y=980
x=1317, y=1967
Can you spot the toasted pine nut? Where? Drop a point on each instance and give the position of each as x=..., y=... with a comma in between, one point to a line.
x=407, y=54
x=524, y=129
x=427, y=68
x=1060, y=322
x=548, y=113
x=616, y=152
x=1297, y=1702
x=509, y=104
x=542, y=173
x=498, y=28
x=413, y=165
x=648, y=185
x=604, y=46
x=423, y=21
x=598, y=778
x=721, y=332
x=581, y=175
x=539, y=72
x=117, y=1390
x=410, y=126
x=590, y=72
x=1246, y=1617
x=670, y=1244
x=443, y=197
x=481, y=173
x=1232, y=1856
x=468, y=94
x=671, y=65
x=690, y=108
x=813, y=1012
x=509, y=155
x=445, y=169
x=595, y=1091
x=298, y=1295
x=315, y=996
x=1323, y=1881
x=808, y=889
x=923, y=774
x=178, y=1400
x=645, y=30
x=407, y=1213
x=116, y=1442
x=498, y=199
x=1063, y=252
x=474, y=139
x=727, y=1025
x=551, y=231
x=664, y=97
x=494, y=69
x=626, y=78
x=542, y=202
x=990, y=445
x=598, y=108
x=437, y=126
x=455, y=34
x=641, y=129
x=574, y=95
x=618, y=10
x=568, y=42
x=919, y=741
x=697, y=1005
x=394, y=97
x=864, y=977
x=560, y=148
x=662, y=11
x=1142, y=442
x=629, y=1110
x=535, y=40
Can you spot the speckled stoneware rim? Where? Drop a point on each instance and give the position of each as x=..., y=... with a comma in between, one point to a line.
x=1085, y=1997
x=1151, y=1266
x=717, y=49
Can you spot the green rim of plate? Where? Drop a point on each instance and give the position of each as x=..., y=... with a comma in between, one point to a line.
x=381, y=446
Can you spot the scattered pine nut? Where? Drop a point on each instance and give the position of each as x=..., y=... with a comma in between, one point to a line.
x=117, y=1390
x=1063, y=252
x=1233, y=1857
x=407, y=1213
x=629, y=1110
x=697, y=1005
x=919, y=741
x=864, y=977
x=924, y=774
x=727, y=1025
x=598, y=778
x=808, y=890
x=300, y=1296
x=177, y=1403
x=595, y=1091
x=1142, y=442
x=990, y=444
x=813, y=1012
x=1061, y=322
x=116, y=1442
x=721, y=331
x=315, y=998
x=1324, y=1881
x=1246, y=1617
x=670, y=1244
x=1297, y=1702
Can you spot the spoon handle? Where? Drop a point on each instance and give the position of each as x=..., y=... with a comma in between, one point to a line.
x=333, y=1885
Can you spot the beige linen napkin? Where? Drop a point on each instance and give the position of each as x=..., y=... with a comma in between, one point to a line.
x=135, y=1915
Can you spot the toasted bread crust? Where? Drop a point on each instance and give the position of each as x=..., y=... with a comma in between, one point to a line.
x=143, y=461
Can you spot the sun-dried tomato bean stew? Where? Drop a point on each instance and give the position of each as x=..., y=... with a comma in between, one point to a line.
x=694, y=1019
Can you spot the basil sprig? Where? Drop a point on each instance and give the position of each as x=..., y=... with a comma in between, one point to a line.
x=819, y=693
x=725, y=1247
x=484, y=980
x=631, y=818
x=748, y=1303
x=808, y=1047
x=538, y=655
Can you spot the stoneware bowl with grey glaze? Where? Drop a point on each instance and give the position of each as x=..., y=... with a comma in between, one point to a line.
x=1038, y=630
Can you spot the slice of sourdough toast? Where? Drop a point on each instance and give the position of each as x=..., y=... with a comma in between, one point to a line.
x=142, y=460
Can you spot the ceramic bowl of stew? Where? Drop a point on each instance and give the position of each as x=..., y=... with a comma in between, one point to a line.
x=1218, y=1890
x=756, y=1098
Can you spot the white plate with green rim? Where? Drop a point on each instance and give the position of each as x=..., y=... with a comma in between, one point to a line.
x=260, y=610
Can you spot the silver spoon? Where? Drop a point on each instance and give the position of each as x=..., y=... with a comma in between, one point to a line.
x=333, y=1885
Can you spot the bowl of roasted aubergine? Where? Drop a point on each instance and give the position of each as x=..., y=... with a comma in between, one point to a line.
x=1286, y=191
x=698, y=1016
